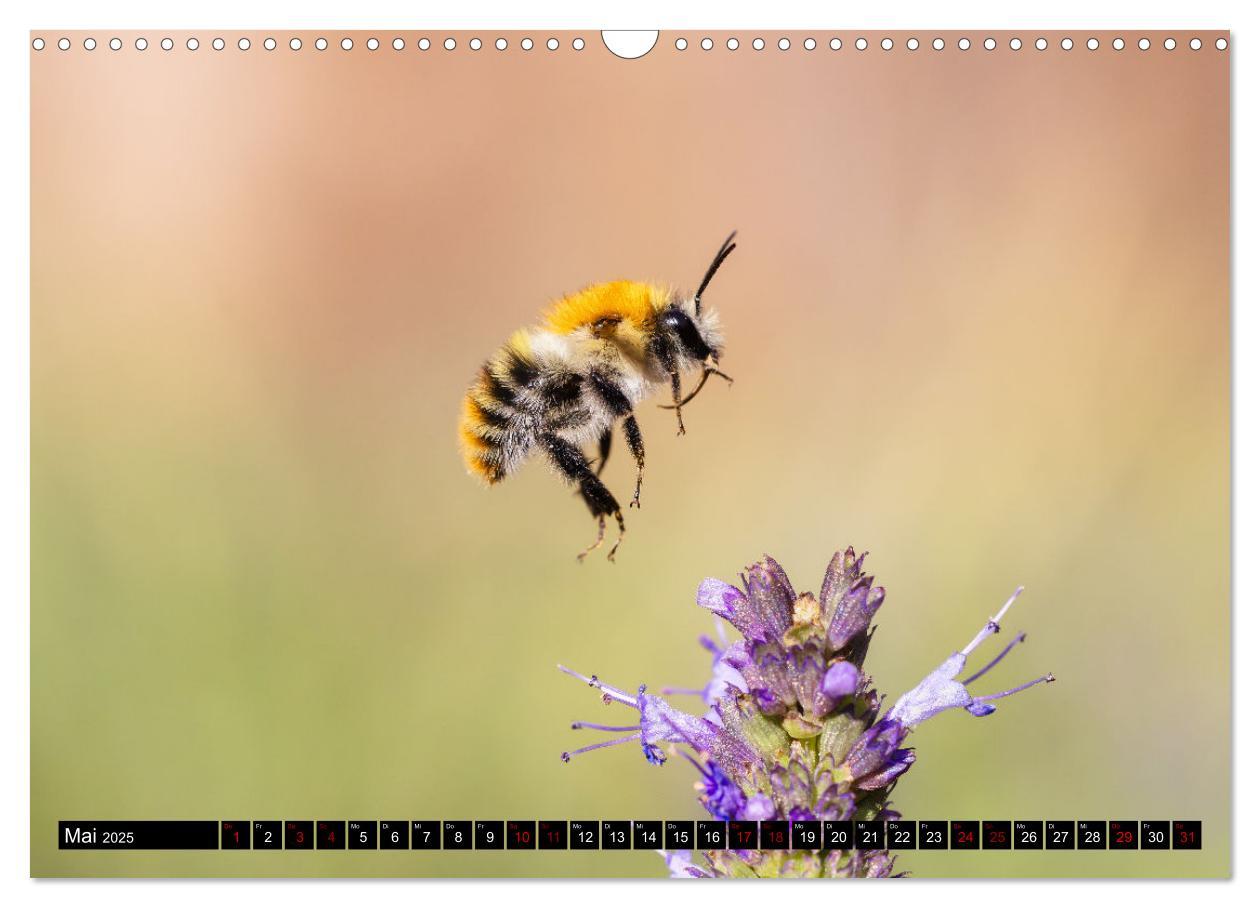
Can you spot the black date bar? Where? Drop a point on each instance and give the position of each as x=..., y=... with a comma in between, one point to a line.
x=138, y=835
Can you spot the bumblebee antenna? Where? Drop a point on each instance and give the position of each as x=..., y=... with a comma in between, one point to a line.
x=727, y=248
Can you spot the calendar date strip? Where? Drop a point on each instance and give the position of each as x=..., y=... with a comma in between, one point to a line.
x=629, y=835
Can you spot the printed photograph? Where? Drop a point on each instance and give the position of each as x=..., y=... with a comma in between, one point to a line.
x=737, y=454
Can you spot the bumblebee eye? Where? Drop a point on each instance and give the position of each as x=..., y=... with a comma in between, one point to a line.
x=681, y=325
x=673, y=317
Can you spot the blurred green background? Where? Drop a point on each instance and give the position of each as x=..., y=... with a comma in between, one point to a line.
x=979, y=325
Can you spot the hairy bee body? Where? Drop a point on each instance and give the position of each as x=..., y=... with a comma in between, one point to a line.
x=565, y=383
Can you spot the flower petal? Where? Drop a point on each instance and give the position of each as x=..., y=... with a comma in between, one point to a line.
x=759, y=807
x=854, y=612
x=934, y=694
x=898, y=762
x=841, y=680
x=770, y=600
x=843, y=571
x=662, y=722
x=718, y=597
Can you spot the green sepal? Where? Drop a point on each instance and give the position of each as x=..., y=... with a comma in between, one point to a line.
x=839, y=733
x=869, y=807
x=799, y=727
x=740, y=715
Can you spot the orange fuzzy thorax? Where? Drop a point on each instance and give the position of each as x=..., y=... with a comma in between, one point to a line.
x=631, y=301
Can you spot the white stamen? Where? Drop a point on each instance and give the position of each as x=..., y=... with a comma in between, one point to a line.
x=606, y=689
x=994, y=624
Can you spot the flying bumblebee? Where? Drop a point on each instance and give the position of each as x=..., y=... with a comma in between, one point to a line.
x=565, y=384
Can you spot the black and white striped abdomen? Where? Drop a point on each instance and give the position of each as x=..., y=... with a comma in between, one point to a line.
x=516, y=397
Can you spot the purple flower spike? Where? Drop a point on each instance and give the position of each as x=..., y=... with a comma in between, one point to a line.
x=794, y=727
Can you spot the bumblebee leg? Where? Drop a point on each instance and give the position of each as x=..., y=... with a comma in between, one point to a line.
x=567, y=458
x=675, y=385
x=619, y=405
x=599, y=539
x=601, y=453
x=621, y=534
x=601, y=502
x=708, y=370
x=634, y=440
x=605, y=448
x=711, y=370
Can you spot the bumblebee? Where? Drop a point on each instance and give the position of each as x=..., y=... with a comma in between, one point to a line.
x=566, y=383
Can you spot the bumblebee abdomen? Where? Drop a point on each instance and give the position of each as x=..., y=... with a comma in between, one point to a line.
x=481, y=438
x=519, y=394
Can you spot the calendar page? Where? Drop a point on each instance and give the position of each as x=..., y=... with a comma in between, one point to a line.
x=708, y=453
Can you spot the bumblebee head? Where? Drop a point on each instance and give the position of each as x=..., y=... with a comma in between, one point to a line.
x=691, y=336
x=693, y=328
